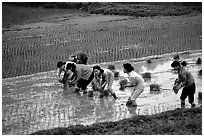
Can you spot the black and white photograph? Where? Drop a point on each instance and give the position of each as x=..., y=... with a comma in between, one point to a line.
x=101, y=68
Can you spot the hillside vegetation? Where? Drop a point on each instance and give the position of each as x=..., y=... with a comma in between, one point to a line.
x=135, y=9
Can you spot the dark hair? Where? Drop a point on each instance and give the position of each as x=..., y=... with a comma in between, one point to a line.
x=83, y=58
x=71, y=66
x=175, y=64
x=60, y=63
x=99, y=68
x=176, y=57
x=128, y=67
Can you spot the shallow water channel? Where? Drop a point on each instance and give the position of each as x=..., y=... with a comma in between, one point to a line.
x=37, y=102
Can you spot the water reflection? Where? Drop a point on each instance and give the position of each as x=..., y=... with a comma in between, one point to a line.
x=132, y=111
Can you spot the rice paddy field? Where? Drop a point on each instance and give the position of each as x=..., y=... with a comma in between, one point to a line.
x=36, y=47
x=33, y=104
x=33, y=45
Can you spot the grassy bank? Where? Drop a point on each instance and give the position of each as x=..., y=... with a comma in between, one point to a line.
x=176, y=122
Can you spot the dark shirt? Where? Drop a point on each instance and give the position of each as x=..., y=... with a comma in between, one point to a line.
x=83, y=71
x=185, y=77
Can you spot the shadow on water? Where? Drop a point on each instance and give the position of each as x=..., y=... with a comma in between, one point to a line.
x=37, y=102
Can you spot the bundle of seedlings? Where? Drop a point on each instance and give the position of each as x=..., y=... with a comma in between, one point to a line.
x=155, y=88
x=146, y=75
x=199, y=61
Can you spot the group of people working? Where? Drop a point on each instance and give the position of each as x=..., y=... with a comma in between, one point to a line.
x=78, y=74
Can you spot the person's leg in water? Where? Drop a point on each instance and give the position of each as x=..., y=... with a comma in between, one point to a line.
x=110, y=89
x=101, y=92
x=191, y=100
x=191, y=90
x=81, y=86
x=183, y=96
x=135, y=94
x=82, y=83
x=95, y=84
x=183, y=105
x=112, y=93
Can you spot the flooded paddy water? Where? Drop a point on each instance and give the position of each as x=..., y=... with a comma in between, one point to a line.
x=38, y=102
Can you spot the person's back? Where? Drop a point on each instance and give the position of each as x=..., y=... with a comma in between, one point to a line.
x=84, y=75
x=136, y=78
x=186, y=77
x=84, y=71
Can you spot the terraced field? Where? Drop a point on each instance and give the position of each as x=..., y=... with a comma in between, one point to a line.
x=36, y=47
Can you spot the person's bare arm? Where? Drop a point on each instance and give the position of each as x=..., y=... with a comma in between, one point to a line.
x=78, y=76
x=133, y=82
x=104, y=81
x=130, y=85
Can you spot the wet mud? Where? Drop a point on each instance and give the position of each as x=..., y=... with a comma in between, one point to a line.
x=36, y=102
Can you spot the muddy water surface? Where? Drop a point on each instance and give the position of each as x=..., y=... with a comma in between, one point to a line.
x=36, y=102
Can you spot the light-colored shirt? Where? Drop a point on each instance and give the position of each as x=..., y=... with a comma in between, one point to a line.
x=107, y=76
x=104, y=80
x=136, y=79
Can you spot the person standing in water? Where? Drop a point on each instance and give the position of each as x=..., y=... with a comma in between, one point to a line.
x=84, y=75
x=105, y=78
x=80, y=58
x=134, y=80
x=185, y=80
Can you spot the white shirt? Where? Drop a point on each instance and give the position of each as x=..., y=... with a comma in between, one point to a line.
x=136, y=78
